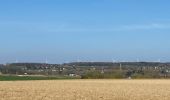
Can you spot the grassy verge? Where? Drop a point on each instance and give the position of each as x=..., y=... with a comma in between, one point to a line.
x=20, y=78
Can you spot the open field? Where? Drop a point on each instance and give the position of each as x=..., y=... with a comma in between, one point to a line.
x=85, y=90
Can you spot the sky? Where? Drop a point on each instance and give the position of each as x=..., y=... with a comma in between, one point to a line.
x=61, y=31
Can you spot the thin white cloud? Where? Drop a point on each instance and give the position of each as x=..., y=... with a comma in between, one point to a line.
x=66, y=27
x=154, y=26
x=145, y=27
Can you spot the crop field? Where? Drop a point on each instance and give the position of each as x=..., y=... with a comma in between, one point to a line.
x=85, y=90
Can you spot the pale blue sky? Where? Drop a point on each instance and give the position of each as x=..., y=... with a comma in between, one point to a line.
x=88, y=30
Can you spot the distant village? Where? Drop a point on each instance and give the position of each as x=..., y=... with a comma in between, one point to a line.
x=87, y=70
